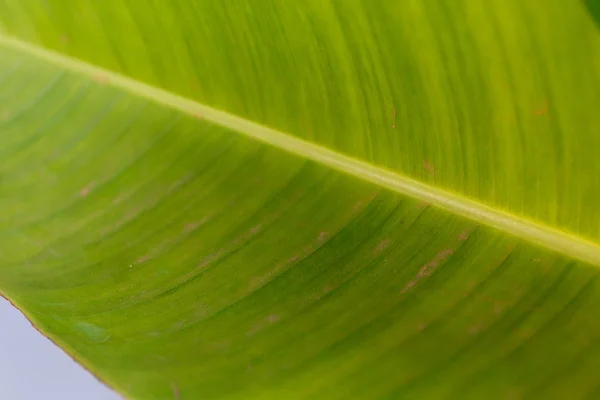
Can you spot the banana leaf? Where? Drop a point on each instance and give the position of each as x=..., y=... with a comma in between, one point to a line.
x=317, y=199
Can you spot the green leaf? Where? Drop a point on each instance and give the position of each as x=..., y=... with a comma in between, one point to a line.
x=316, y=199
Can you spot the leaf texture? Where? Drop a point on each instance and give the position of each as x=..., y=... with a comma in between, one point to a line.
x=176, y=256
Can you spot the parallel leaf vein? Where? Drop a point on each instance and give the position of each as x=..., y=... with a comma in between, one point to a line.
x=532, y=231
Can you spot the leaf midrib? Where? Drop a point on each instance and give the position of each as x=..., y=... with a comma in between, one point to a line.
x=529, y=230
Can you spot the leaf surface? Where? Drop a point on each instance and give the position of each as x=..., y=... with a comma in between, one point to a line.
x=306, y=200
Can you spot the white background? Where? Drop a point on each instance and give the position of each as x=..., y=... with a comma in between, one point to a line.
x=32, y=367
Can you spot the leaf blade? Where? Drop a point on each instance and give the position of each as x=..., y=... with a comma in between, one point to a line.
x=525, y=70
x=283, y=278
x=562, y=242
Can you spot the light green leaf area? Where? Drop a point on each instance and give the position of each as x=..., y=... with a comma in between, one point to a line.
x=306, y=200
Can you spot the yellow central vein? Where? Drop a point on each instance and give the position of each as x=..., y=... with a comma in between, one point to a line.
x=534, y=232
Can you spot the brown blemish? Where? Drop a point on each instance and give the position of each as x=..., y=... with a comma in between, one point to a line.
x=498, y=307
x=474, y=329
x=175, y=390
x=269, y=320
x=381, y=246
x=541, y=111
x=143, y=259
x=273, y=318
x=5, y=115
x=64, y=39
x=422, y=204
x=256, y=282
x=119, y=199
x=255, y=229
x=178, y=183
x=442, y=255
x=192, y=226
x=428, y=268
x=101, y=79
x=585, y=341
x=464, y=235
x=408, y=286
x=199, y=115
x=195, y=83
x=322, y=236
x=514, y=394
x=220, y=345
x=421, y=327
x=86, y=190
x=359, y=204
x=525, y=333
x=130, y=215
x=394, y=121
x=429, y=167
x=211, y=258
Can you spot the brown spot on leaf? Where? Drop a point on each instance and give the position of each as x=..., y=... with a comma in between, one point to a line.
x=199, y=115
x=219, y=345
x=192, y=226
x=381, y=246
x=514, y=394
x=119, y=199
x=475, y=329
x=464, y=235
x=269, y=320
x=525, y=333
x=256, y=282
x=357, y=206
x=86, y=190
x=175, y=391
x=422, y=204
x=428, y=268
x=498, y=307
x=273, y=318
x=143, y=259
x=408, y=286
x=441, y=256
x=323, y=236
x=101, y=79
x=428, y=167
x=541, y=111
